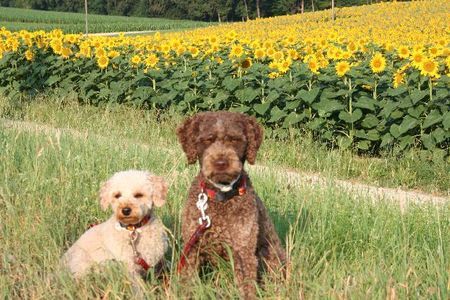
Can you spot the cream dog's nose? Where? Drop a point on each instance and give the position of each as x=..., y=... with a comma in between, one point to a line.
x=126, y=211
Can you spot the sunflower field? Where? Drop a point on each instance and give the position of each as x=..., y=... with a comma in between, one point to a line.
x=376, y=78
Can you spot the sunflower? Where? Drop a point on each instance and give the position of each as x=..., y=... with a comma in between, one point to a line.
x=270, y=52
x=290, y=40
x=29, y=55
x=323, y=63
x=398, y=79
x=331, y=53
x=71, y=39
x=165, y=48
x=274, y=65
x=338, y=54
x=417, y=58
x=352, y=47
x=28, y=42
x=151, y=60
x=194, y=51
x=284, y=66
x=56, y=46
x=66, y=52
x=113, y=54
x=273, y=75
x=100, y=52
x=342, y=68
x=212, y=40
x=181, y=50
x=215, y=47
x=346, y=55
x=102, y=62
x=268, y=44
x=236, y=51
x=313, y=65
x=378, y=63
x=429, y=68
x=293, y=54
x=403, y=52
x=259, y=53
x=278, y=55
x=246, y=63
x=389, y=47
x=136, y=59
x=434, y=51
x=40, y=43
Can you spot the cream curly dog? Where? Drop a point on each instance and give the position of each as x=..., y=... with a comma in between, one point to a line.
x=133, y=235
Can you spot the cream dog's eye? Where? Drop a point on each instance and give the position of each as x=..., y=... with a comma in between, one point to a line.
x=138, y=195
x=117, y=195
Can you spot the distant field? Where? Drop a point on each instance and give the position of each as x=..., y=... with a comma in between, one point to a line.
x=15, y=19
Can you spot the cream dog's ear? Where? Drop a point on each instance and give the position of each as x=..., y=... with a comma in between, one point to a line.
x=159, y=189
x=104, y=195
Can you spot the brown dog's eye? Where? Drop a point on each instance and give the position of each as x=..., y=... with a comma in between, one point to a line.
x=208, y=139
x=231, y=139
x=117, y=195
x=138, y=195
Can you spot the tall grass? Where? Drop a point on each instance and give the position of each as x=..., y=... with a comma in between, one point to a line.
x=339, y=247
x=414, y=170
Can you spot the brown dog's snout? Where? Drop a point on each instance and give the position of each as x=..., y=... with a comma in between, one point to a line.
x=126, y=211
x=221, y=164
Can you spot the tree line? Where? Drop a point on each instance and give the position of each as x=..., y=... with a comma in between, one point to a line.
x=204, y=10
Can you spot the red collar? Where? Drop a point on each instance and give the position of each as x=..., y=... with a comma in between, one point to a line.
x=239, y=189
x=132, y=227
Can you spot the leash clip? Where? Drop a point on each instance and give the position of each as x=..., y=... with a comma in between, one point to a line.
x=133, y=238
x=202, y=205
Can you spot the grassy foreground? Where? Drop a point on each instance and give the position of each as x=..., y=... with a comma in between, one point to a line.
x=339, y=247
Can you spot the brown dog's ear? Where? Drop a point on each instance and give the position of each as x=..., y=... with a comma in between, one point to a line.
x=255, y=134
x=159, y=190
x=105, y=198
x=187, y=133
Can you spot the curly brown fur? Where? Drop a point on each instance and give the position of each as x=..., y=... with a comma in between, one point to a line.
x=222, y=142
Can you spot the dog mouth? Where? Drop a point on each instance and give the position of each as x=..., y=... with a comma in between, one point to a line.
x=224, y=181
x=128, y=220
x=223, y=178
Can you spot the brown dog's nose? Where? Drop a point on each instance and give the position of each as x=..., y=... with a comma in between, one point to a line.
x=221, y=164
x=126, y=211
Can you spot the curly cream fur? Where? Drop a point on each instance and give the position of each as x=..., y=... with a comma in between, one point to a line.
x=138, y=190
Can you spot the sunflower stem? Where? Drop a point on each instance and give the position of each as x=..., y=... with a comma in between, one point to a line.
x=375, y=90
x=430, y=86
x=350, y=106
x=262, y=88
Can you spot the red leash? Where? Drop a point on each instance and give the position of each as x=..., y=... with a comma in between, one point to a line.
x=140, y=261
x=188, y=247
x=204, y=220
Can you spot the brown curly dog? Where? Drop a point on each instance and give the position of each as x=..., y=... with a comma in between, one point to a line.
x=222, y=142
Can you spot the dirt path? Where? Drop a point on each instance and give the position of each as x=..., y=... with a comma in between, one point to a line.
x=374, y=193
